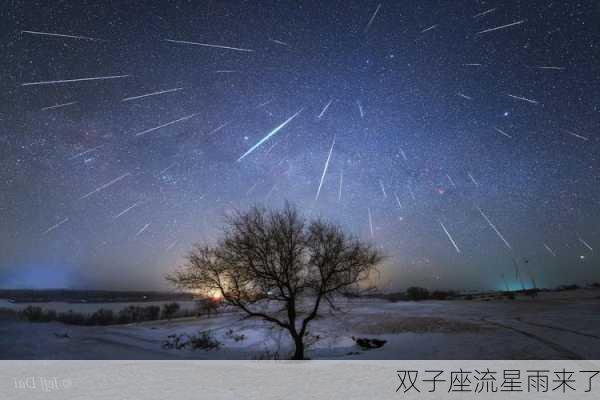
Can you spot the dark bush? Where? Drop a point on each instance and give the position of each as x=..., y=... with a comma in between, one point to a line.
x=169, y=310
x=72, y=318
x=567, y=287
x=102, y=317
x=531, y=292
x=138, y=314
x=415, y=293
x=442, y=295
x=204, y=340
x=37, y=314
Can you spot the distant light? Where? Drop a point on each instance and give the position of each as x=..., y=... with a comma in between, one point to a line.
x=506, y=114
x=582, y=257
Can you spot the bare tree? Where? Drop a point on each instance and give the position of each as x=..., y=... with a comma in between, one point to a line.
x=279, y=266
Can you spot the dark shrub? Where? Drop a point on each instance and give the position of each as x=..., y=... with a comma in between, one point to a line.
x=152, y=312
x=567, y=287
x=207, y=307
x=102, y=317
x=169, y=310
x=37, y=314
x=204, y=340
x=441, y=295
x=72, y=318
x=138, y=314
x=417, y=293
x=531, y=292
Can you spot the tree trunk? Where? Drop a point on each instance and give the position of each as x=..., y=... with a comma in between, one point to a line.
x=299, y=353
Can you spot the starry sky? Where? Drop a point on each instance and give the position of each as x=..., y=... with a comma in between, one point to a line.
x=461, y=137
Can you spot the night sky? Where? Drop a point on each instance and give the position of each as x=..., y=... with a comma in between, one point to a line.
x=459, y=149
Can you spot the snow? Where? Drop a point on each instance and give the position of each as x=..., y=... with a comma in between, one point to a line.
x=555, y=325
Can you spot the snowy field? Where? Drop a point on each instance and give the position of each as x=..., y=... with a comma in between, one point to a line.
x=556, y=325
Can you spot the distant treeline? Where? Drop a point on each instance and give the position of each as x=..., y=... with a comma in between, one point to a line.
x=89, y=296
x=105, y=316
x=415, y=293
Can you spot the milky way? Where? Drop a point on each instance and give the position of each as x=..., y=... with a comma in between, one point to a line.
x=461, y=137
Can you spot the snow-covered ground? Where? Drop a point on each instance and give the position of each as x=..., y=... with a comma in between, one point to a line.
x=554, y=325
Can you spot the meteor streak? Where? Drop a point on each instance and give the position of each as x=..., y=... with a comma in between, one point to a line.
x=398, y=201
x=360, y=109
x=58, y=106
x=578, y=136
x=372, y=18
x=264, y=104
x=165, y=125
x=85, y=152
x=549, y=250
x=210, y=45
x=168, y=168
x=522, y=98
x=63, y=36
x=428, y=29
x=102, y=187
x=382, y=189
x=451, y=180
x=151, y=94
x=491, y=224
x=217, y=129
x=325, y=170
x=473, y=179
x=403, y=155
x=273, y=132
x=481, y=14
x=450, y=237
x=131, y=207
x=552, y=68
x=501, y=27
x=586, y=244
x=97, y=78
x=142, y=230
x=503, y=133
x=464, y=96
x=325, y=109
x=251, y=189
x=279, y=42
x=53, y=227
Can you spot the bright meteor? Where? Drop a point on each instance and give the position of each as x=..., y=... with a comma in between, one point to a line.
x=273, y=132
x=97, y=78
x=218, y=46
x=325, y=170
